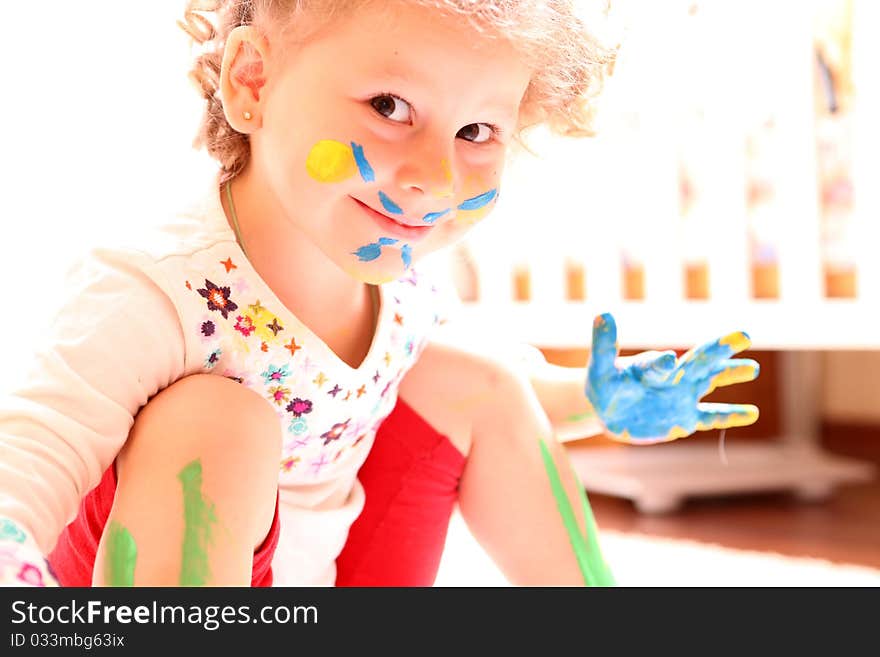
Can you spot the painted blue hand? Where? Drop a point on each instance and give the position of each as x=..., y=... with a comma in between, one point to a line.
x=655, y=397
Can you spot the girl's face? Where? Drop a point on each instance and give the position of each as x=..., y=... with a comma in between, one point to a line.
x=384, y=137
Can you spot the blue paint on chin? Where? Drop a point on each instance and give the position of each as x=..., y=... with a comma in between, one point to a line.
x=406, y=254
x=389, y=205
x=363, y=166
x=369, y=252
x=480, y=201
x=372, y=251
x=431, y=217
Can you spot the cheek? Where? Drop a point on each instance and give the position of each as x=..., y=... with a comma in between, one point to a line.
x=331, y=161
x=478, y=198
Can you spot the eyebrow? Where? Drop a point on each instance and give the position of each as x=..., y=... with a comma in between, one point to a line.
x=411, y=77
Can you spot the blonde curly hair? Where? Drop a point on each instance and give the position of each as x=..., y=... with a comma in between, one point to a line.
x=570, y=63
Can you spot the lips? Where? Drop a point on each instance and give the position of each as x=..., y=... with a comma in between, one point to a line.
x=392, y=227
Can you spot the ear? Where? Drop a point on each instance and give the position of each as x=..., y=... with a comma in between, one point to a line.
x=243, y=75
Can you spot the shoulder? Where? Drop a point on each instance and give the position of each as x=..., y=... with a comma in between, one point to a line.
x=190, y=225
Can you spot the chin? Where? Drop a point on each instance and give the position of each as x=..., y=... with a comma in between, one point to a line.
x=375, y=275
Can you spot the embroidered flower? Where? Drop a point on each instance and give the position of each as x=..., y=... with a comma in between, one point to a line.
x=31, y=575
x=300, y=442
x=213, y=358
x=275, y=374
x=279, y=394
x=386, y=388
x=241, y=286
x=408, y=347
x=289, y=463
x=244, y=325
x=274, y=326
x=320, y=463
x=299, y=407
x=9, y=531
x=218, y=298
x=298, y=427
x=358, y=427
x=335, y=432
x=207, y=328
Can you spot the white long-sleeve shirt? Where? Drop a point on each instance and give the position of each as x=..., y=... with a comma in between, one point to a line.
x=186, y=300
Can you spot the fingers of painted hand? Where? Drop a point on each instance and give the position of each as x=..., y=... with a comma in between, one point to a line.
x=603, y=352
x=674, y=432
x=724, y=416
x=699, y=361
x=731, y=371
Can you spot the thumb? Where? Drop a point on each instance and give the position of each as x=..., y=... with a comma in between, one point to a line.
x=603, y=353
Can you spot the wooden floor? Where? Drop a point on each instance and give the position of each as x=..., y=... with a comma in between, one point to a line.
x=842, y=529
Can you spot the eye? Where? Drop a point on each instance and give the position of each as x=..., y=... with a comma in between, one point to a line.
x=393, y=107
x=477, y=133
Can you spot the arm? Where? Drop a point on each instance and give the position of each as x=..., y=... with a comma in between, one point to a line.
x=115, y=342
x=646, y=398
x=560, y=391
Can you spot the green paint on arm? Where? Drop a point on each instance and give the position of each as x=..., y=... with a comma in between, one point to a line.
x=199, y=517
x=589, y=557
x=121, y=556
x=581, y=417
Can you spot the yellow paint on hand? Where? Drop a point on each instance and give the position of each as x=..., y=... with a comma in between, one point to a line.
x=732, y=375
x=737, y=341
x=331, y=162
x=677, y=432
x=678, y=377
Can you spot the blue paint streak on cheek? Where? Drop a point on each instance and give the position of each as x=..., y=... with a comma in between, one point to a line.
x=369, y=252
x=480, y=201
x=387, y=241
x=363, y=166
x=406, y=253
x=389, y=205
x=431, y=217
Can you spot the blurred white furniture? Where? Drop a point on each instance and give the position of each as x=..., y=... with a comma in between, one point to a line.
x=599, y=202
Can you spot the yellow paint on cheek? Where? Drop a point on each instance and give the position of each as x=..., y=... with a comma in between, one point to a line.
x=470, y=217
x=331, y=162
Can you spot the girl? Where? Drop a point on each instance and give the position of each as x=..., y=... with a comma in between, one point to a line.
x=353, y=139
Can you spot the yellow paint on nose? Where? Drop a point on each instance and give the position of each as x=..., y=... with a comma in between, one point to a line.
x=448, y=190
x=331, y=162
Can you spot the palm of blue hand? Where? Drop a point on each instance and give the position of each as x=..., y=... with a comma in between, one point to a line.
x=654, y=397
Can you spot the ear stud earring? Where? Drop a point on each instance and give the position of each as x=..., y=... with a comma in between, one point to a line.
x=247, y=116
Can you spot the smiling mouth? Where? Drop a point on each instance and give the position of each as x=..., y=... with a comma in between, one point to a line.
x=392, y=226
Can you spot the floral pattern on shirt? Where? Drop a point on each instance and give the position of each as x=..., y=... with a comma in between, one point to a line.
x=328, y=410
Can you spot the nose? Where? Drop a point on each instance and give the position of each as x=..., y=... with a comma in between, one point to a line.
x=427, y=169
